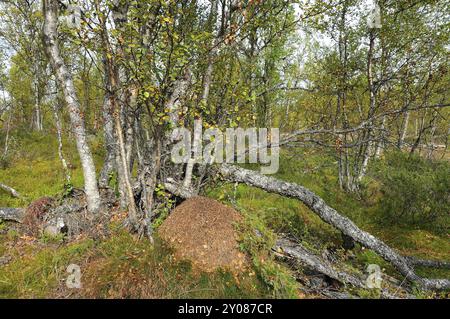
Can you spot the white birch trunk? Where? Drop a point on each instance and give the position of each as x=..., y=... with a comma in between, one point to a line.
x=380, y=144
x=405, y=123
x=203, y=102
x=65, y=81
x=60, y=145
x=196, y=153
x=369, y=148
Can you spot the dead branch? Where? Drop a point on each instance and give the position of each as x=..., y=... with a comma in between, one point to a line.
x=413, y=261
x=10, y=190
x=178, y=189
x=11, y=214
x=304, y=256
x=297, y=251
x=289, y=137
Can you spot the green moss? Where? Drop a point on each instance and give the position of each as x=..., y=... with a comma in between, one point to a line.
x=35, y=272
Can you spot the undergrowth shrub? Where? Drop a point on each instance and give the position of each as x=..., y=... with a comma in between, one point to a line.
x=415, y=191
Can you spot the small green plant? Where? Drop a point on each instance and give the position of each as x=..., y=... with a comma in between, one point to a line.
x=167, y=204
x=68, y=189
x=50, y=239
x=369, y=293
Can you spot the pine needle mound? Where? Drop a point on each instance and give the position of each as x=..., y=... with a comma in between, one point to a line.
x=202, y=231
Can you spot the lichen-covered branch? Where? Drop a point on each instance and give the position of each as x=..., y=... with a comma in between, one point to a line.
x=11, y=214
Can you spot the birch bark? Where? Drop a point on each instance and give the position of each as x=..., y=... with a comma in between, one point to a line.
x=65, y=81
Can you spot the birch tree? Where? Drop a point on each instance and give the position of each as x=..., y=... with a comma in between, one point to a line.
x=65, y=82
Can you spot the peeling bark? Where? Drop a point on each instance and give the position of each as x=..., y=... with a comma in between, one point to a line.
x=173, y=103
x=178, y=190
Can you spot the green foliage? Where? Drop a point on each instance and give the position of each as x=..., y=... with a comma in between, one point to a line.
x=52, y=239
x=257, y=240
x=163, y=211
x=415, y=191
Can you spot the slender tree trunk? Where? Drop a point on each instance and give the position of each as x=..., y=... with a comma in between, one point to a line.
x=203, y=103
x=60, y=145
x=341, y=101
x=431, y=143
x=113, y=87
x=8, y=128
x=126, y=90
x=372, y=105
x=198, y=124
x=37, y=116
x=65, y=81
x=131, y=202
x=121, y=101
x=404, y=130
x=196, y=153
x=109, y=164
x=130, y=120
x=381, y=142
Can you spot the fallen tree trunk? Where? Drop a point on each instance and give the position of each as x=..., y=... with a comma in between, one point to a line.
x=332, y=217
x=292, y=249
x=304, y=256
x=413, y=261
x=10, y=190
x=11, y=214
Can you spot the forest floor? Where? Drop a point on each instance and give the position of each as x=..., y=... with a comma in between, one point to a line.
x=122, y=266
